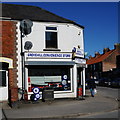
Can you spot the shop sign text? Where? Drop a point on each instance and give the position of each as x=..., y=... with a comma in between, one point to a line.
x=80, y=61
x=49, y=55
x=77, y=52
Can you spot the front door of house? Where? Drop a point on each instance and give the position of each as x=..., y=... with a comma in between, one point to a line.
x=3, y=85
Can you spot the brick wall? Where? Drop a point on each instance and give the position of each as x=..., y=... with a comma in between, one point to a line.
x=110, y=61
x=118, y=61
x=8, y=49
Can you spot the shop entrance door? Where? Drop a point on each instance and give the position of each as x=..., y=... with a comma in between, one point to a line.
x=3, y=85
x=79, y=76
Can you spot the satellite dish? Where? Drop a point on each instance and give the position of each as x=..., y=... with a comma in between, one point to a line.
x=28, y=45
x=25, y=26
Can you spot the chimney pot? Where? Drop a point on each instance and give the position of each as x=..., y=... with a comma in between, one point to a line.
x=106, y=50
x=96, y=54
x=117, y=46
x=90, y=57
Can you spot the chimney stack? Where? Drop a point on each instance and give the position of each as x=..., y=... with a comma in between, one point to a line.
x=96, y=54
x=90, y=57
x=117, y=46
x=106, y=50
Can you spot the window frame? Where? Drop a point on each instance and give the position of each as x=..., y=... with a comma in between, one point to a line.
x=51, y=30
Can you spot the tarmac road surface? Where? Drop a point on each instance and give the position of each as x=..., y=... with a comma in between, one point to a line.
x=66, y=108
x=112, y=114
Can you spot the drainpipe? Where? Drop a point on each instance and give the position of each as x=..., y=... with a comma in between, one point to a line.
x=22, y=65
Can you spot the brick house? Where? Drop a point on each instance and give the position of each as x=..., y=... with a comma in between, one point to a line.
x=100, y=64
x=50, y=61
x=8, y=61
x=118, y=62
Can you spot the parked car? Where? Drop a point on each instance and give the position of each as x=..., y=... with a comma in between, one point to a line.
x=96, y=81
x=107, y=82
x=104, y=82
x=115, y=83
x=101, y=82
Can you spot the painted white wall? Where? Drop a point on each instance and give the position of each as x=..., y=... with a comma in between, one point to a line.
x=83, y=82
x=36, y=37
x=75, y=79
x=68, y=37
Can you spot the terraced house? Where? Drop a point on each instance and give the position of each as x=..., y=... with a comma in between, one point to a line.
x=104, y=65
x=50, y=54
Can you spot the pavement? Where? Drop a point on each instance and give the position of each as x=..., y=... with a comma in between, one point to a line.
x=61, y=108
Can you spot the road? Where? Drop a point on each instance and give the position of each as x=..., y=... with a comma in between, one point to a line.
x=103, y=105
x=111, y=114
x=111, y=93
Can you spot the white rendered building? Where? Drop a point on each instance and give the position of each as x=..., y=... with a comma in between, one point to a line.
x=56, y=59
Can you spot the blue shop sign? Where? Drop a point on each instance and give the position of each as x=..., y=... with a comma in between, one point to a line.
x=77, y=52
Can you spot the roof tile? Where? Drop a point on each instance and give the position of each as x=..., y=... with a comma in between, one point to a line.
x=20, y=12
x=99, y=58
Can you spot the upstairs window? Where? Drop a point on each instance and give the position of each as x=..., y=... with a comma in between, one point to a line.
x=51, y=37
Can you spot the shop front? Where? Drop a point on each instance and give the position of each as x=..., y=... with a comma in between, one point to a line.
x=51, y=70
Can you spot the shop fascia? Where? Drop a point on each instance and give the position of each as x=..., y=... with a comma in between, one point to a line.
x=48, y=55
x=78, y=55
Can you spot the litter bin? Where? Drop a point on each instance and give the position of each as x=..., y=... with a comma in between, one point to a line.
x=48, y=94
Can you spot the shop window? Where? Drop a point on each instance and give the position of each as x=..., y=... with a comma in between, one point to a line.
x=51, y=37
x=50, y=77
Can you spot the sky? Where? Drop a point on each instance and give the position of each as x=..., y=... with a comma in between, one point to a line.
x=100, y=20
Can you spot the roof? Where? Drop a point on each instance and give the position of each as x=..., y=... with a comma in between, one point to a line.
x=20, y=12
x=99, y=58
